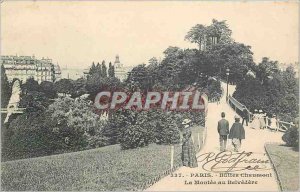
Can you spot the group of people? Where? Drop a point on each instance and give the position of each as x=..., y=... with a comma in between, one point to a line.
x=236, y=133
x=258, y=121
x=261, y=121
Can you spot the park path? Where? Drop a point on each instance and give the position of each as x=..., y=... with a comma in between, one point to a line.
x=254, y=142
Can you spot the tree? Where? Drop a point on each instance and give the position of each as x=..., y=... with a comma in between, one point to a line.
x=213, y=88
x=153, y=62
x=93, y=69
x=170, y=68
x=139, y=129
x=197, y=34
x=153, y=69
x=235, y=56
x=103, y=69
x=30, y=137
x=64, y=86
x=98, y=69
x=47, y=87
x=266, y=68
x=290, y=81
x=34, y=101
x=136, y=129
x=79, y=87
x=5, y=88
x=274, y=91
x=251, y=93
x=74, y=119
x=166, y=129
x=218, y=32
x=111, y=70
x=94, y=85
x=30, y=85
x=139, y=77
x=208, y=36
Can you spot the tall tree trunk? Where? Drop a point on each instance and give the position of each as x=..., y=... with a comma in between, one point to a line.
x=200, y=43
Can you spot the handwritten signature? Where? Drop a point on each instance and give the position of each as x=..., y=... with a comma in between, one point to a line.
x=228, y=161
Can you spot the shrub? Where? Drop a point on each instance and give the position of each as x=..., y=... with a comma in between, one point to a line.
x=214, y=89
x=291, y=137
x=134, y=136
x=97, y=141
x=167, y=131
x=138, y=129
x=28, y=136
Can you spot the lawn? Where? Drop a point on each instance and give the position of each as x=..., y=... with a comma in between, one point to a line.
x=106, y=168
x=286, y=161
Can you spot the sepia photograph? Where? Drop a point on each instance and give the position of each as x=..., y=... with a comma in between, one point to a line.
x=132, y=95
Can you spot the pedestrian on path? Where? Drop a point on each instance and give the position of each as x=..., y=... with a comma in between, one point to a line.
x=223, y=130
x=262, y=117
x=188, y=155
x=245, y=116
x=274, y=123
x=218, y=98
x=255, y=124
x=237, y=133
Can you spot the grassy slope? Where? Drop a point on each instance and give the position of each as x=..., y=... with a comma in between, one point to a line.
x=286, y=161
x=106, y=168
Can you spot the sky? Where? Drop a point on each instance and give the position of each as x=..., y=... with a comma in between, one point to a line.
x=77, y=33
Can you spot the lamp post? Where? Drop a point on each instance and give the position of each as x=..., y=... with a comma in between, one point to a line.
x=227, y=74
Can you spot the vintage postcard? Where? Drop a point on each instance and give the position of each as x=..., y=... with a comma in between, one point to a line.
x=149, y=95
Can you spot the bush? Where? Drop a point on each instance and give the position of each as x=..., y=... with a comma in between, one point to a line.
x=167, y=131
x=139, y=129
x=214, y=89
x=291, y=137
x=97, y=141
x=28, y=136
x=134, y=136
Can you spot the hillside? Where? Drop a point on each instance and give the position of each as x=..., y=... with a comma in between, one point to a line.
x=107, y=168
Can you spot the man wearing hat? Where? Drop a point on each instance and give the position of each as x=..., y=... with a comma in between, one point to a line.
x=237, y=133
x=245, y=116
x=223, y=130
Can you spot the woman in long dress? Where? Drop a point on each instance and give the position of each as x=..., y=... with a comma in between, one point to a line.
x=188, y=156
x=262, y=119
x=274, y=124
x=255, y=124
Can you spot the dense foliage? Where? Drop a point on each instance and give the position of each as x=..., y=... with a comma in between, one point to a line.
x=5, y=88
x=273, y=91
x=138, y=129
x=291, y=137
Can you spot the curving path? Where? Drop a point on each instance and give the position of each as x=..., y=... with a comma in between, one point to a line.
x=254, y=142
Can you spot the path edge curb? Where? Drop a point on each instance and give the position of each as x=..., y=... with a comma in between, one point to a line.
x=272, y=162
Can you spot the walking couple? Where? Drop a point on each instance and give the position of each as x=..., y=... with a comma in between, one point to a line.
x=236, y=133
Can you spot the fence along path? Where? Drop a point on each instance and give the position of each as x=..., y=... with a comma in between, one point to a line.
x=239, y=107
x=254, y=142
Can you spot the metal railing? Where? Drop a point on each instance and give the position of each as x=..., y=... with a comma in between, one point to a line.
x=239, y=108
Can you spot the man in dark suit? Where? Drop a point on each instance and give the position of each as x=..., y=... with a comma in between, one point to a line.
x=223, y=130
x=245, y=116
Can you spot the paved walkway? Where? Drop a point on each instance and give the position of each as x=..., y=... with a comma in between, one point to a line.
x=254, y=142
